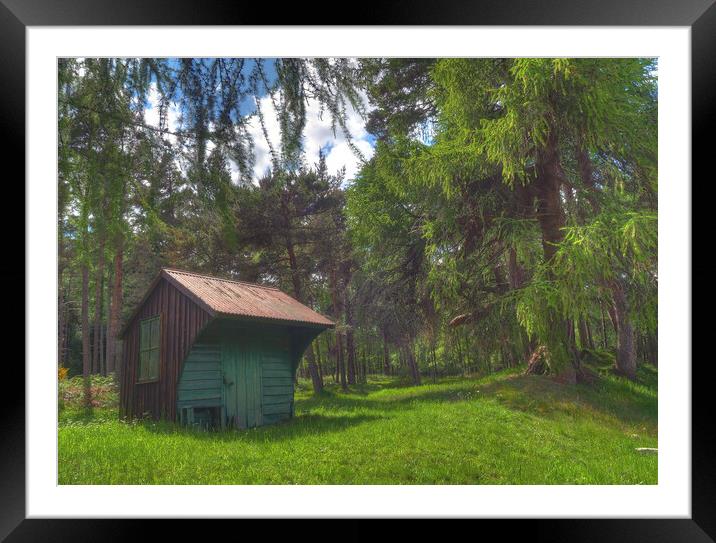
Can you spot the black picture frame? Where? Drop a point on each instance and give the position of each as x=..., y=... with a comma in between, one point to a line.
x=16, y=15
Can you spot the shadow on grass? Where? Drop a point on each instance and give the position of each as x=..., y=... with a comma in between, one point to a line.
x=609, y=397
x=362, y=389
x=300, y=426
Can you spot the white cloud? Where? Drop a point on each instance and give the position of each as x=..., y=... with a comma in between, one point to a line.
x=317, y=135
x=262, y=151
x=151, y=113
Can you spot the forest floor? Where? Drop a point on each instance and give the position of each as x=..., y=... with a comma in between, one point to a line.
x=506, y=428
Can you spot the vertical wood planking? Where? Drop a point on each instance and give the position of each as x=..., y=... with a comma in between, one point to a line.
x=182, y=320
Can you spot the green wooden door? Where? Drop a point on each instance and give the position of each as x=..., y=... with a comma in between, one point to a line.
x=242, y=385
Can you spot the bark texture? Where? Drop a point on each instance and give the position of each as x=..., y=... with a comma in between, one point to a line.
x=116, y=307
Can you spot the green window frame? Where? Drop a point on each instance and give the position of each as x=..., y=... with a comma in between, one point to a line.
x=149, y=356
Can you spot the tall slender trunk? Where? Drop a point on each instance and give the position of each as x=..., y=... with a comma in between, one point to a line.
x=604, y=327
x=611, y=311
x=61, y=316
x=98, y=299
x=335, y=302
x=331, y=357
x=293, y=264
x=341, y=360
x=460, y=357
x=116, y=307
x=386, y=354
x=316, y=379
x=67, y=306
x=654, y=348
x=625, y=362
x=435, y=362
x=319, y=363
x=584, y=334
x=102, y=340
x=364, y=367
x=590, y=340
x=350, y=340
x=86, y=359
x=110, y=284
x=61, y=319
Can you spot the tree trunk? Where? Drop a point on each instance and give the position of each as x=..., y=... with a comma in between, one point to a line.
x=550, y=216
x=331, y=356
x=86, y=359
x=351, y=360
x=412, y=363
x=295, y=274
x=584, y=335
x=435, y=362
x=461, y=358
x=351, y=357
x=604, y=327
x=98, y=298
x=116, y=307
x=335, y=302
x=341, y=360
x=319, y=363
x=625, y=362
x=654, y=348
x=102, y=340
x=364, y=368
x=386, y=354
x=549, y=202
x=110, y=283
x=64, y=347
x=298, y=293
x=61, y=319
x=590, y=340
x=516, y=272
x=313, y=371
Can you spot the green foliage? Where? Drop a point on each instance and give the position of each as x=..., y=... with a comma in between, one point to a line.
x=439, y=247
x=615, y=246
x=470, y=192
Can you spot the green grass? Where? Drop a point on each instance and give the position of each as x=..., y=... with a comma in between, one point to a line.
x=502, y=429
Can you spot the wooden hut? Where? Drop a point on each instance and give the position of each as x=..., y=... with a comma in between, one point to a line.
x=214, y=352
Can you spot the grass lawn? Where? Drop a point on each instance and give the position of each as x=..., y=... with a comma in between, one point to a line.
x=502, y=429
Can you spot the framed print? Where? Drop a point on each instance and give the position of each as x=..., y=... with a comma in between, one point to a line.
x=422, y=265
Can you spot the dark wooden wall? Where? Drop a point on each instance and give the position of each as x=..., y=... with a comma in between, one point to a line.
x=181, y=321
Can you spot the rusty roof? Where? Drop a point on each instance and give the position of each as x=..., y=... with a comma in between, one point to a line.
x=225, y=297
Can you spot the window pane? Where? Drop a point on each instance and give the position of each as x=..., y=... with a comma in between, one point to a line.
x=155, y=333
x=154, y=363
x=143, y=365
x=143, y=335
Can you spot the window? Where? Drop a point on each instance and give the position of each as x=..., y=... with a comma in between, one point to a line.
x=149, y=332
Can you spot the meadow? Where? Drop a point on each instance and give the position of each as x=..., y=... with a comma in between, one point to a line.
x=506, y=428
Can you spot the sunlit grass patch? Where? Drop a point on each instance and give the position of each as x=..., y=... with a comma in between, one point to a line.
x=503, y=429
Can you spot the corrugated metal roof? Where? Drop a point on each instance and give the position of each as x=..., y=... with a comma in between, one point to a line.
x=237, y=298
